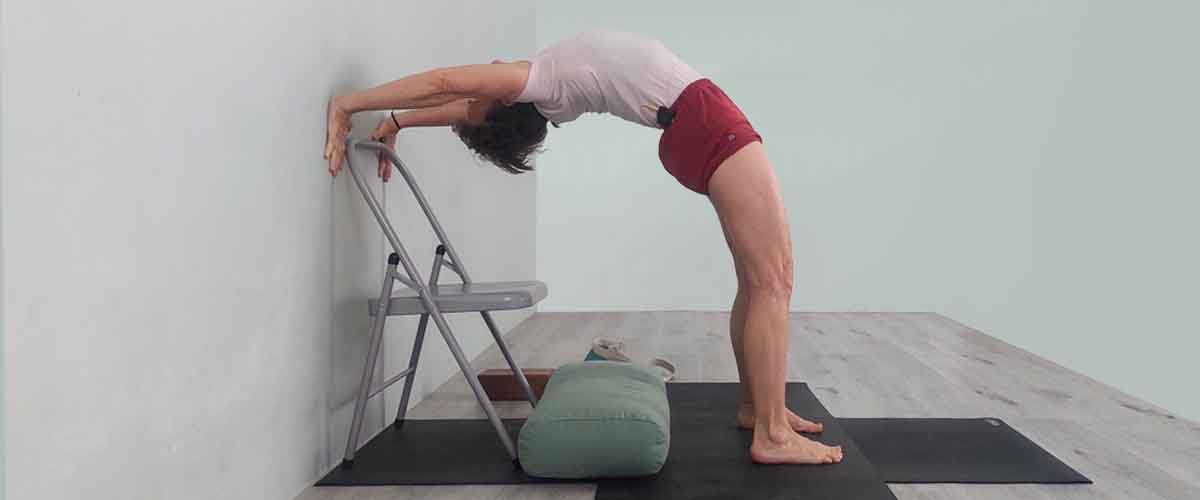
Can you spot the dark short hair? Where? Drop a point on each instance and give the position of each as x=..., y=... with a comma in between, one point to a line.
x=508, y=137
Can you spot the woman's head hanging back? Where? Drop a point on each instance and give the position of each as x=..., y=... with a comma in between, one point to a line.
x=508, y=136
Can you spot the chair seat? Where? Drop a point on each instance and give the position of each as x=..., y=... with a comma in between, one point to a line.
x=460, y=297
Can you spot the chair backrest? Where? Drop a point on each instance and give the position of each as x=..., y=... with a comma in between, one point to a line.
x=389, y=232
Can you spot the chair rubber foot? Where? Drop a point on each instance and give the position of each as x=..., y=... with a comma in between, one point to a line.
x=398, y=424
x=347, y=464
x=517, y=463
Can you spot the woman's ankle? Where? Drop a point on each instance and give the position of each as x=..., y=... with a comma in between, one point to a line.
x=775, y=424
x=775, y=434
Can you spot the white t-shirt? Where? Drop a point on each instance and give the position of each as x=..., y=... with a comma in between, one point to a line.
x=606, y=71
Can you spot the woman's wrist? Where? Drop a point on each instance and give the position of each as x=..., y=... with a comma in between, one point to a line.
x=395, y=122
x=347, y=103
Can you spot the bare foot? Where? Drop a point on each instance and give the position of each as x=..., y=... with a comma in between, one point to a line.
x=791, y=448
x=745, y=420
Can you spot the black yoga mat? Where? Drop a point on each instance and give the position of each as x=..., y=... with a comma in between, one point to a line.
x=708, y=457
x=949, y=450
x=433, y=452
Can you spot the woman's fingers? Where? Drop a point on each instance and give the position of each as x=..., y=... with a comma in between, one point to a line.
x=330, y=127
x=336, y=129
x=336, y=151
x=385, y=165
x=335, y=159
x=384, y=134
x=328, y=141
x=387, y=170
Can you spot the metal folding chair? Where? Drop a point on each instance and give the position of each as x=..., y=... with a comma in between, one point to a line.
x=431, y=300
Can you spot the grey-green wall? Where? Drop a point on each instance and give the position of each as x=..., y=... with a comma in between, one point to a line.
x=1025, y=167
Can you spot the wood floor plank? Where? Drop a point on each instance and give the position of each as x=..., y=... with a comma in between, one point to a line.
x=1019, y=383
x=1172, y=444
x=1117, y=473
x=872, y=376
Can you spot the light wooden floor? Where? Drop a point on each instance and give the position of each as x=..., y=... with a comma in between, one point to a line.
x=870, y=365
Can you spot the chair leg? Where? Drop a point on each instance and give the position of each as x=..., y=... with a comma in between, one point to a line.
x=364, y=384
x=473, y=382
x=412, y=365
x=487, y=318
x=439, y=254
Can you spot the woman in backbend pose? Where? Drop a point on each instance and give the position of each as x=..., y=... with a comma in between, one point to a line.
x=500, y=111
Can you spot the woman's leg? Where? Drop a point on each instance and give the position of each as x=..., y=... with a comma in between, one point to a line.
x=745, y=193
x=737, y=324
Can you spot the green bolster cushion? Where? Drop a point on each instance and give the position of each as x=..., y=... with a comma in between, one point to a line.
x=598, y=419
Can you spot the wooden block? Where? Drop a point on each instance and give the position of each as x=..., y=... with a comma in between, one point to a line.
x=501, y=384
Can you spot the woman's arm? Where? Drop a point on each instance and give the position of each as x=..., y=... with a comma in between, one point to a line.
x=501, y=81
x=391, y=124
x=446, y=114
x=441, y=86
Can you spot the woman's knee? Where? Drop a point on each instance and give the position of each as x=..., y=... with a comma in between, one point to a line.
x=768, y=280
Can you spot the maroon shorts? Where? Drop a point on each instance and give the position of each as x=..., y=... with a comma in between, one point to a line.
x=707, y=128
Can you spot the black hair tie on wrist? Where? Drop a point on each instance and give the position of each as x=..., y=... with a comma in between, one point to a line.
x=393, y=113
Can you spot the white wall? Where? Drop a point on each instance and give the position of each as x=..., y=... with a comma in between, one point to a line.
x=184, y=286
x=1025, y=167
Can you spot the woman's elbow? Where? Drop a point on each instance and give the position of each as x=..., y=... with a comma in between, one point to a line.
x=442, y=82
